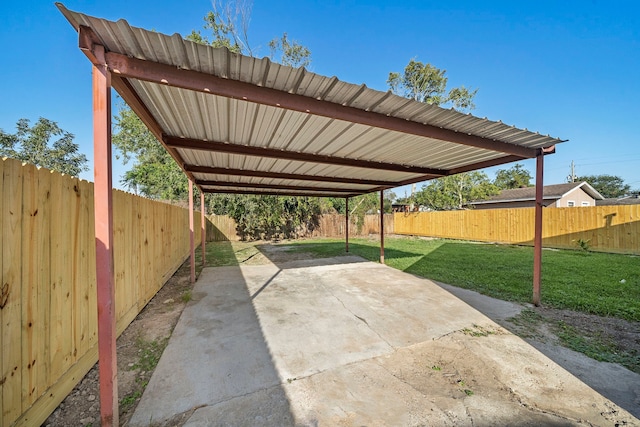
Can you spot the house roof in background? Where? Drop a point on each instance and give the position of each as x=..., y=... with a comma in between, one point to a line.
x=629, y=200
x=238, y=124
x=550, y=192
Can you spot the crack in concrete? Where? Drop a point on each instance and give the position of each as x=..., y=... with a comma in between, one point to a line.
x=363, y=320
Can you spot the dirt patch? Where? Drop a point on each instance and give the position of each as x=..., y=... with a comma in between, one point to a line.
x=139, y=347
x=604, y=339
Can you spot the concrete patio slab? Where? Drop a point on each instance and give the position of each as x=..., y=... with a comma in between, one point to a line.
x=345, y=342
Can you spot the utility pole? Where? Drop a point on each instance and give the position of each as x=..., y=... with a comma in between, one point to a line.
x=572, y=174
x=413, y=194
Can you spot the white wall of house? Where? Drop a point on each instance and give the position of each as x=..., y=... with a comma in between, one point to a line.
x=575, y=198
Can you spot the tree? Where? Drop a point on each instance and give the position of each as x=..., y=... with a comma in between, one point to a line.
x=455, y=191
x=427, y=83
x=33, y=144
x=610, y=186
x=514, y=177
x=266, y=217
x=154, y=173
x=291, y=52
x=228, y=23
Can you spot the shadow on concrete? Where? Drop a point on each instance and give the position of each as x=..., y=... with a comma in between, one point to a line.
x=327, y=253
x=217, y=368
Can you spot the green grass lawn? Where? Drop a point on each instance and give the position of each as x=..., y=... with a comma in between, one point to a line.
x=596, y=283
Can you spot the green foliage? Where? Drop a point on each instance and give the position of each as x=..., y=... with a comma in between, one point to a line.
x=334, y=205
x=609, y=186
x=455, y=191
x=360, y=206
x=154, y=173
x=131, y=398
x=514, y=177
x=268, y=217
x=150, y=353
x=292, y=53
x=427, y=83
x=223, y=33
x=596, y=346
x=33, y=144
x=583, y=244
x=228, y=23
x=186, y=296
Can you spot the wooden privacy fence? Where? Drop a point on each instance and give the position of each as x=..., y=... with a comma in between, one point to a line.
x=223, y=227
x=602, y=228
x=334, y=226
x=48, y=327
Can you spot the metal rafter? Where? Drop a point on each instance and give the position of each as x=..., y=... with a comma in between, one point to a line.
x=288, y=176
x=321, y=193
x=277, y=186
x=250, y=150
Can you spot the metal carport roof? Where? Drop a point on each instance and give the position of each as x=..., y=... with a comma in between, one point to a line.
x=240, y=124
x=245, y=125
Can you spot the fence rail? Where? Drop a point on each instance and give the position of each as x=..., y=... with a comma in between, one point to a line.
x=48, y=321
x=613, y=229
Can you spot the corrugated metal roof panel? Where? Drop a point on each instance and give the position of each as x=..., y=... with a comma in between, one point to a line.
x=207, y=117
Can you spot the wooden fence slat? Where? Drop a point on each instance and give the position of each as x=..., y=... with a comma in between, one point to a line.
x=2, y=299
x=11, y=300
x=33, y=288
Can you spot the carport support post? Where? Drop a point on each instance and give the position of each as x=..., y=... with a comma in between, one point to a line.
x=537, y=239
x=103, y=213
x=346, y=224
x=381, y=226
x=203, y=229
x=192, y=253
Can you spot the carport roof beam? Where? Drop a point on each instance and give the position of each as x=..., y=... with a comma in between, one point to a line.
x=287, y=176
x=249, y=150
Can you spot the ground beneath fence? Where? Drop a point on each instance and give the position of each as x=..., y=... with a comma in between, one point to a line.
x=140, y=345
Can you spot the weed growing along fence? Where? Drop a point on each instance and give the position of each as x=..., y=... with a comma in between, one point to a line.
x=48, y=320
x=613, y=229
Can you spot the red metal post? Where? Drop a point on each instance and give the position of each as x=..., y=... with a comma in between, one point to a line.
x=103, y=212
x=381, y=226
x=346, y=224
x=192, y=253
x=537, y=239
x=203, y=229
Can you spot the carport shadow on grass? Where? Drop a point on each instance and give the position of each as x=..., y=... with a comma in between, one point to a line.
x=217, y=368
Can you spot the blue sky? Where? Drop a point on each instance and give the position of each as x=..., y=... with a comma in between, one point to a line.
x=570, y=69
